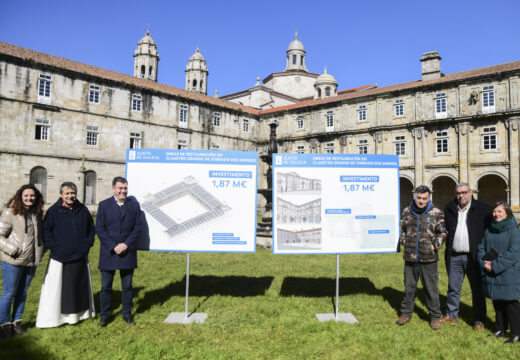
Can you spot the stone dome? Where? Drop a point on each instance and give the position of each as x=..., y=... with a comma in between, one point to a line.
x=197, y=61
x=326, y=79
x=296, y=44
x=146, y=39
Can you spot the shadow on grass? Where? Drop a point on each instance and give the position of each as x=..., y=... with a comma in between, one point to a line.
x=23, y=348
x=206, y=286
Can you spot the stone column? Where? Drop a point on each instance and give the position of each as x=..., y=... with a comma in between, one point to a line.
x=463, y=152
x=418, y=135
x=514, y=167
x=378, y=141
x=343, y=144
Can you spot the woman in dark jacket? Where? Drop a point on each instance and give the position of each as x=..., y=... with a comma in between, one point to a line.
x=500, y=249
x=66, y=295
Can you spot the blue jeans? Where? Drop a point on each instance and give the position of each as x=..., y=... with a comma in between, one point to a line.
x=16, y=281
x=458, y=266
x=105, y=296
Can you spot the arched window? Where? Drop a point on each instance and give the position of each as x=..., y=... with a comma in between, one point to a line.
x=143, y=71
x=327, y=91
x=38, y=178
x=301, y=60
x=90, y=187
x=319, y=92
x=150, y=70
x=194, y=87
x=201, y=85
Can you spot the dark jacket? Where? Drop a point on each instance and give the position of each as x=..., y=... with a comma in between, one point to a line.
x=477, y=221
x=68, y=233
x=419, y=232
x=503, y=283
x=115, y=226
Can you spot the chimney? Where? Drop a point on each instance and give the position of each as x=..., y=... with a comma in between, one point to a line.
x=431, y=65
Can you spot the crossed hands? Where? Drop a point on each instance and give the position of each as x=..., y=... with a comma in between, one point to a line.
x=120, y=248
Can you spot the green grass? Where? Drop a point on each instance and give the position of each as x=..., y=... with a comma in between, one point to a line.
x=261, y=306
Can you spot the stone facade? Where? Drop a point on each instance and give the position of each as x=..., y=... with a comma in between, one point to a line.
x=63, y=120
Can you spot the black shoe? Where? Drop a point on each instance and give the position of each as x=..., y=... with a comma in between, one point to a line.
x=18, y=330
x=512, y=340
x=498, y=334
x=129, y=320
x=103, y=322
x=6, y=331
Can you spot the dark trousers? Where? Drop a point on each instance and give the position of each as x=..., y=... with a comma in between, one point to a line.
x=105, y=296
x=429, y=275
x=507, y=312
x=457, y=266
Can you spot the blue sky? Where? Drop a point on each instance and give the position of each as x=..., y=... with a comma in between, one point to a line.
x=360, y=42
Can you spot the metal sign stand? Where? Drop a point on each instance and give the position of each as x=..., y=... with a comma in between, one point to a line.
x=345, y=317
x=186, y=317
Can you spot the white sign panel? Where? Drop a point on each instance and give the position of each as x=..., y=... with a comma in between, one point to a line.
x=195, y=200
x=335, y=203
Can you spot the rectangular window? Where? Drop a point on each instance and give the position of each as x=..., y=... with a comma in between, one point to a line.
x=362, y=113
x=93, y=94
x=92, y=135
x=44, y=86
x=294, y=59
x=215, y=147
x=490, y=138
x=136, y=102
x=135, y=140
x=245, y=125
x=488, y=98
x=442, y=142
x=216, y=119
x=399, y=108
x=183, y=144
x=440, y=105
x=300, y=149
x=183, y=115
x=42, y=129
x=329, y=148
x=400, y=145
x=363, y=147
x=299, y=122
x=330, y=120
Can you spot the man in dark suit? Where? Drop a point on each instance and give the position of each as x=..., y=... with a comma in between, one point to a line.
x=118, y=226
x=466, y=222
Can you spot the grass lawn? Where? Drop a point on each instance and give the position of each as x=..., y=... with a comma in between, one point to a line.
x=261, y=306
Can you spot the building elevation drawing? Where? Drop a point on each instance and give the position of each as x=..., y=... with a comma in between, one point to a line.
x=289, y=182
x=189, y=187
x=289, y=213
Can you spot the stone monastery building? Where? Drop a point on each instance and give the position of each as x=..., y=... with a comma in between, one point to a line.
x=62, y=120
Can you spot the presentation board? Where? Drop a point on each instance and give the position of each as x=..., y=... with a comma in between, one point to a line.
x=195, y=200
x=335, y=203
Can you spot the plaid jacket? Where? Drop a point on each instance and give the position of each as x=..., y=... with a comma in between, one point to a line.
x=419, y=232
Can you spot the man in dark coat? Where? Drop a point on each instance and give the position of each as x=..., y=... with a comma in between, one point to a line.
x=466, y=222
x=118, y=227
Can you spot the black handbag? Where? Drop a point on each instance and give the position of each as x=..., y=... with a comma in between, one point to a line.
x=491, y=255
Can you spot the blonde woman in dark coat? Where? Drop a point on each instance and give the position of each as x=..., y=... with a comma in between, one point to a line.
x=21, y=250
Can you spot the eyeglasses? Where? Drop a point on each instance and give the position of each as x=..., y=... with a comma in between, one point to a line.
x=462, y=193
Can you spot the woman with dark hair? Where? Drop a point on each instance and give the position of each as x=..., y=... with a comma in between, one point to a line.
x=66, y=296
x=499, y=257
x=21, y=251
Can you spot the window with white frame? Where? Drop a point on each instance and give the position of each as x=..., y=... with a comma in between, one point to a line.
x=245, y=125
x=216, y=119
x=488, y=98
x=400, y=145
x=300, y=149
x=489, y=138
x=42, y=129
x=136, y=102
x=363, y=146
x=183, y=115
x=329, y=148
x=92, y=135
x=299, y=122
x=93, y=94
x=442, y=142
x=362, y=113
x=135, y=140
x=44, y=85
x=399, y=107
x=440, y=105
x=183, y=144
x=330, y=120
